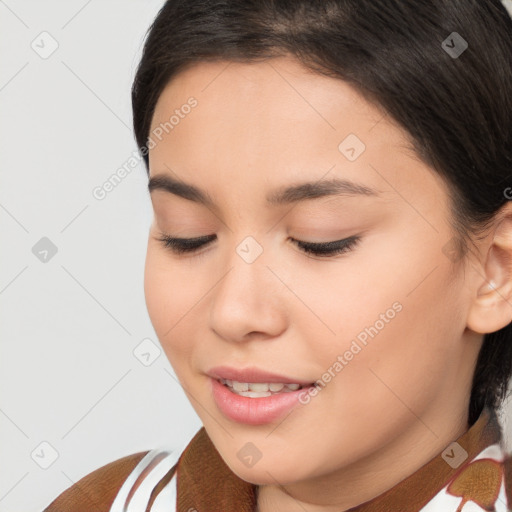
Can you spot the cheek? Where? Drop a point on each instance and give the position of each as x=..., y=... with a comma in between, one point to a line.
x=170, y=298
x=405, y=353
x=157, y=284
x=397, y=298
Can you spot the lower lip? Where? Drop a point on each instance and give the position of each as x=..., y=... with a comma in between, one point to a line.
x=254, y=411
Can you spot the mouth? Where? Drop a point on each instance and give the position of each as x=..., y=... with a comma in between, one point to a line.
x=261, y=389
x=256, y=403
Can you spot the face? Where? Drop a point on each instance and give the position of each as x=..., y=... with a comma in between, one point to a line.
x=379, y=326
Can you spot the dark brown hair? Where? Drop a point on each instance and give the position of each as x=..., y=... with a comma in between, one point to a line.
x=399, y=55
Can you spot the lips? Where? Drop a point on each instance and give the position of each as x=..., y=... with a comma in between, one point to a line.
x=253, y=374
x=252, y=410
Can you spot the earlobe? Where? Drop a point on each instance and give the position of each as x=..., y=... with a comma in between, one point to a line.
x=491, y=309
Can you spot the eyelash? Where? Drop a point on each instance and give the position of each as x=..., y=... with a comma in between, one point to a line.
x=324, y=249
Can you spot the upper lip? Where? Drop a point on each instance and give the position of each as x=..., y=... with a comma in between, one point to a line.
x=252, y=374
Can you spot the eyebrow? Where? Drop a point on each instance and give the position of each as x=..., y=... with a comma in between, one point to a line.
x=284, y=195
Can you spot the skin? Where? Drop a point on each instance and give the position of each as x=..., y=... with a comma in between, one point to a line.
x=404, y=397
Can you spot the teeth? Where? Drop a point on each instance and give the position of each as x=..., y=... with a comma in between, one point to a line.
x=259, y=389
x=240, y=386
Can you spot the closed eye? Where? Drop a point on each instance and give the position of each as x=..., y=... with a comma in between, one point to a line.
x=328, y=248
x=323, y=249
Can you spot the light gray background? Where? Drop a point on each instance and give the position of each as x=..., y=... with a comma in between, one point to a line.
x=69, y=326
x=73, y=389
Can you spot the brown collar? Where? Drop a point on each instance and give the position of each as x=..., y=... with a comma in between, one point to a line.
x=206, y=484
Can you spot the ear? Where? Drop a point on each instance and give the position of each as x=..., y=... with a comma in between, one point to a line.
x=492, y=306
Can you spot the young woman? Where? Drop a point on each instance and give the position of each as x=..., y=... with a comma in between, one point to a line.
x=329, y=268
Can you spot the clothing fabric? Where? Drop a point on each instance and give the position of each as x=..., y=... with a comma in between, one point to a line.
x=473, y=473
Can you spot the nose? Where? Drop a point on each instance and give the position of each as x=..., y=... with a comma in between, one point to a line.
x=248, y=302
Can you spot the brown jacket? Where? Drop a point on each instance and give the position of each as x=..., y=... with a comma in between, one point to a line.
x=96, y=491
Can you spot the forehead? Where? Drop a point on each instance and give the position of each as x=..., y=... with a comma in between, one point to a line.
x=275, y=86
x=270, y=122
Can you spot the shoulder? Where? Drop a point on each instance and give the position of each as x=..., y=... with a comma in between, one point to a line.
x=98, y=489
